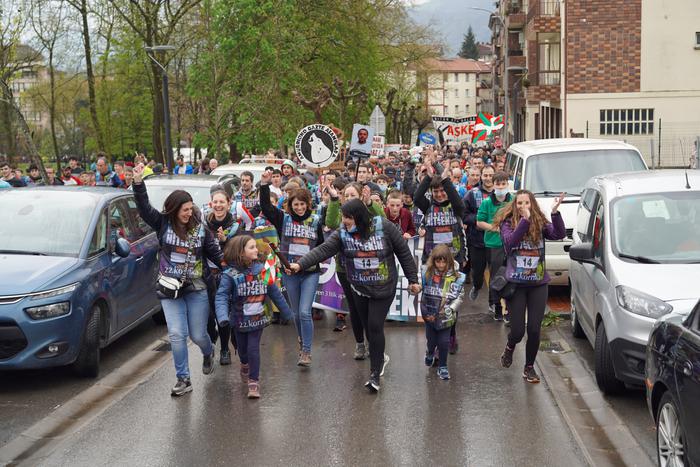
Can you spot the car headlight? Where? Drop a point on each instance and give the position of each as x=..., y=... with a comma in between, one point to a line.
x=48, y=311
x=54, y=292
x=640, y=303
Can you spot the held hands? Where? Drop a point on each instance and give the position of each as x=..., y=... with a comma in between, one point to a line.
x=414, y=289
x=557, y=202
x=266, y=177
x=138, y=173
x=293, y=268
x=407, y=236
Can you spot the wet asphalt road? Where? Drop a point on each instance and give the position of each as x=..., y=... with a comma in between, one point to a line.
x=29, y=396
x=485, y=415
x=630, y=406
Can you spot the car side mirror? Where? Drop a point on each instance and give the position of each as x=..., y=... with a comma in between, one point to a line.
x=122, y=248
x=583, y=253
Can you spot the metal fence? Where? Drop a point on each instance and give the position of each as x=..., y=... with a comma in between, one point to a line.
x=668, y=145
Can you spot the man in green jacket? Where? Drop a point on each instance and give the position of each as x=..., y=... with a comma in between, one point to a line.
x=492, y=237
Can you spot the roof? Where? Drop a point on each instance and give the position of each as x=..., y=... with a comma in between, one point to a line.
x=650, y=181
x=182, y=180
x=457, y=64
x=484, y=49
x=544, y=146
x=95, y=192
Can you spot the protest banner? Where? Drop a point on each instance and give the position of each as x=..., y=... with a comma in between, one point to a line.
x=317, y=146
x=454, y=129
x=361, y=142
x=378, y=146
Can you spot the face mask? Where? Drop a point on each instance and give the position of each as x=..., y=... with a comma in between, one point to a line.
x=501, y=192
x=383, y=188
x=352, y=229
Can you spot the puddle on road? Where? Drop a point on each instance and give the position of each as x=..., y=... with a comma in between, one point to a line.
x=551, y=346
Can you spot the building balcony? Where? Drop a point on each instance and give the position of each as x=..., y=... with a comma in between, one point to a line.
x=543, y=15
x=516, y=20
x=544, y=86
x=517, y=61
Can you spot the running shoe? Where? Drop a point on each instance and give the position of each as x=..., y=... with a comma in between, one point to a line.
x=386, y=361
x=373, y=382
x=530, y=375
x=429, y=358
x=339, y=323
x=507, y=357
x=498, y=313
x=208, y=363
x=506, y=319
x=182, y=387
x=473, y=294
x=304, y=359
x=225, y=357
x=275, y=318
x=443, y=373
x=453, y=346
x=253, y=390
x=360, y=351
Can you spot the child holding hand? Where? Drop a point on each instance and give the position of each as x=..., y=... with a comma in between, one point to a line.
x=442, y=295
x=239, y=301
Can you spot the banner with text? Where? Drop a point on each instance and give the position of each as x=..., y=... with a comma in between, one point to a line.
x=453, y=128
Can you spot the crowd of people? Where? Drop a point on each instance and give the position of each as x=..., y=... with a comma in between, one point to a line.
x=218, y=281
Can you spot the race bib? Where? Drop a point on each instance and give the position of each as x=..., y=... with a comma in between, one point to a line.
x=298, y=249
x=252, y=309
x=442, y=237
x=527, y=262
x=366, y=263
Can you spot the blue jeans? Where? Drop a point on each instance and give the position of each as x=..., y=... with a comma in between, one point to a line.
x=301, y=290
x=187, y=316
x=249, y=351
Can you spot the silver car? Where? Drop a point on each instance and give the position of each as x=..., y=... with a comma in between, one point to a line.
x=635, y=257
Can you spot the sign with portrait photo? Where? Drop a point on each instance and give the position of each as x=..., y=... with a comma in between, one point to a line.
x=361, y=141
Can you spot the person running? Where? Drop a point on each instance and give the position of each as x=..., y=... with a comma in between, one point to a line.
x=185, y=246
x=368, y=246
x=523, y=229
x=300, y=230
x=442, y=296
x=498, y=198
x=442, y=222
x=240, y=304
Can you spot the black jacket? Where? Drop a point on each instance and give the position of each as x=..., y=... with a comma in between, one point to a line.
x=334, y=245
x=475, y=237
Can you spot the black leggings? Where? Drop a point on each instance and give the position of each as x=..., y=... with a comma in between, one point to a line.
x=355, y=322
x=372, y=312
x=224, y=332
x=480, y=257
x=439, y=338
x=535, y=300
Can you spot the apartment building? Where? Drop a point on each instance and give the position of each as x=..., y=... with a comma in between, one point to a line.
x=32, y=73
x=624, y=70
x=455, y=86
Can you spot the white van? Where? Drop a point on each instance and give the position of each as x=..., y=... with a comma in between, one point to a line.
x=548, y=167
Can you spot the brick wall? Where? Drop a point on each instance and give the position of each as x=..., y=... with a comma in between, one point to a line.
x=603, y=46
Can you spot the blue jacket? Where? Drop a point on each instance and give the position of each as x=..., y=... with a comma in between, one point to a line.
x=241, y=297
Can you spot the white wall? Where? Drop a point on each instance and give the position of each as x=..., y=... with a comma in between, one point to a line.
x=669, y=59
x=679, y=113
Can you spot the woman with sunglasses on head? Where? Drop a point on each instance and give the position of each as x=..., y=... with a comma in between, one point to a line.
x=368, y=246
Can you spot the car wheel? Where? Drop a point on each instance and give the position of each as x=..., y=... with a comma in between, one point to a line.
x=88, y=361
x=576, y=329
x=159, y=318
x=604, y=370
x=670, y=439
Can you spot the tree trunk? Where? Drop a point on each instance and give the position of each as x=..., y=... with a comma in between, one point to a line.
x=52, y=110
x=8, y=134
x=90, y=76
x=158, y=145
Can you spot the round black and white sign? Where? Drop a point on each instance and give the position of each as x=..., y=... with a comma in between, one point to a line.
x=317, y=146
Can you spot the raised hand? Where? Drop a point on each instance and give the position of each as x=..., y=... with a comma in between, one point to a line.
x=557, y=202
x=266, y=177
x=138, y=173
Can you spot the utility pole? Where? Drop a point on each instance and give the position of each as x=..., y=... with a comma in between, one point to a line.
x=166, y=101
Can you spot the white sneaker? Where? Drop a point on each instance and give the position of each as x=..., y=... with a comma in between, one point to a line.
x=386, y=360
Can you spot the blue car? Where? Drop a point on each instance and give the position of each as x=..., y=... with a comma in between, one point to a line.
x=77, y=269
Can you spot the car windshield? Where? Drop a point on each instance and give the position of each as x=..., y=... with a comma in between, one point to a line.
x=51, y=223
x=569, y=171
x=662, y=227
x=158, y=193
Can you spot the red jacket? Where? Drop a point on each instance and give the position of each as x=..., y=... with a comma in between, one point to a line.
x=404, y=221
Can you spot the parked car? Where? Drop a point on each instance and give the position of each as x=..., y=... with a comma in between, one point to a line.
x=635, y=258
x=199, y=186
x=233, y=172
x=549, y=167
x=77, y=267
x=673, y=388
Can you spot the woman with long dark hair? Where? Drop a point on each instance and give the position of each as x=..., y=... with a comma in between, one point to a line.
x=524, y=228
x=185, y=245
x=368, y=245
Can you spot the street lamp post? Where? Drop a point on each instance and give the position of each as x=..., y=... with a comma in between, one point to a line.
x=505, y=73
x=516, y=94
x=166, y=100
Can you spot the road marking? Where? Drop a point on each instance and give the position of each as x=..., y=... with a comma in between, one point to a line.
x=41, y=439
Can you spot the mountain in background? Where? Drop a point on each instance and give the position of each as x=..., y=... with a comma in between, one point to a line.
x=452, y=18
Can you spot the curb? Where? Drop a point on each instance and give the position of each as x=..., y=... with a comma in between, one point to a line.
x=601, y=435
x=38, y=441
